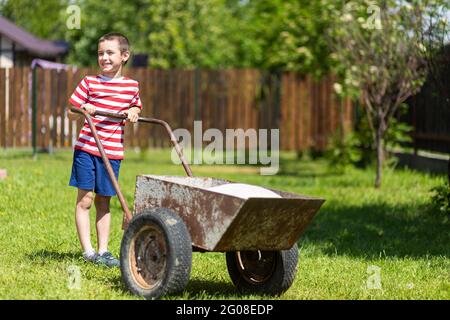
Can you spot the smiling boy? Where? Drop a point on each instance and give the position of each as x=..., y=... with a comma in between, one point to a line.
x=109, y=92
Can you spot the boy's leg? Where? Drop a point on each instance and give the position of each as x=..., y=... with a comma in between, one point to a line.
x=103, y=222
x=84, y=203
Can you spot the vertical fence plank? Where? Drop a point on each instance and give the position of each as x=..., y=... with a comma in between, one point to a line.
x=284, y=130
x=62, y=106
x=11, y=108
x=47, y=105
x=299, y=120
x=26, y=77
x=39, y=86
x=53, y=103
x=20, y=116
x=17, y=107
x=311, y=112
x=2, y=108
x=69, y=86
x=232, y=100
x=141, y=132
x=293, y=108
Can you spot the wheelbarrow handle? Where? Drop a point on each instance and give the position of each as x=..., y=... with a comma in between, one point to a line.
x=163, y=123
x=166, y=126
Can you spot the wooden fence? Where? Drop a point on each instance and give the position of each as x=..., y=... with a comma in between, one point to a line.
x=306, y=111
x=429, y=115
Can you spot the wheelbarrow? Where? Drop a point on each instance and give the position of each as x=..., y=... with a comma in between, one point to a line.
x=174, y=216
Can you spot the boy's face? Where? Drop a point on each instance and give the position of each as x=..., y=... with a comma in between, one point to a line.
x=110, y=59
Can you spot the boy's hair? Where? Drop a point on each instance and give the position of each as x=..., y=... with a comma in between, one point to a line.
x=124, y=44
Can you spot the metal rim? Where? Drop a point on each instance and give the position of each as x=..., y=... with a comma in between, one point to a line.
x=256, y=267
x=148, y=257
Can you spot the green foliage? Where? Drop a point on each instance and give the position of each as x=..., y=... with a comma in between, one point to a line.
x=377, y=48
x=290, y=34
x=173, y=33
x=190, y=33
x=43, y=18
x=343, y=151
x=100, y=17
x=357, y=147
x=440, y=198
x=398, y=133
x=272, y=34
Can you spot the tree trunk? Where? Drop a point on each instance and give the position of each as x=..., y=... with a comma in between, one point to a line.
x=379, y=135
x=380, y=155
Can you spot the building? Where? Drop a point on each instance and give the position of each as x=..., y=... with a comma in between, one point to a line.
x=19, y=47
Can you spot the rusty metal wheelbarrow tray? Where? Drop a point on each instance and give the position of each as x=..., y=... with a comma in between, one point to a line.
x=222, y=222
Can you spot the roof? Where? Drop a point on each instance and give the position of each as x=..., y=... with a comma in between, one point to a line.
x=32, y=44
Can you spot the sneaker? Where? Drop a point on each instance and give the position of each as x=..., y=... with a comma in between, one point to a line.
x=91, y=257
x=107, y=259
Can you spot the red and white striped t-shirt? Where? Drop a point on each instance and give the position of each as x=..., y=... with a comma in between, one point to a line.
x=108, y=95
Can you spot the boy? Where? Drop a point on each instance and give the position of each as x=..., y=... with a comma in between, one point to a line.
x=108, y=92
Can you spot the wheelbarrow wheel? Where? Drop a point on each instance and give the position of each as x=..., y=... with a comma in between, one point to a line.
x=156, y=254
x=263, y=272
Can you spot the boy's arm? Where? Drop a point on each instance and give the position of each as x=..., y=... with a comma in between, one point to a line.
x=80, y=99
x=135, y=108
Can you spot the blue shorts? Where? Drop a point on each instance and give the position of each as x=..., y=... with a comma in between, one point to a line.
x=89, y=173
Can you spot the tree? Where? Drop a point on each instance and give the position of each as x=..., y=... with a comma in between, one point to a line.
x=289, y=34
x=100, y=17
x=379, y=53
x=190, y=33
x=43, y=18
x=269, y=34
x=173, y=33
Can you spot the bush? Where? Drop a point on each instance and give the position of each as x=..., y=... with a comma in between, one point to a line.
x=357, y=148
x=440, y=198
x=343, y=151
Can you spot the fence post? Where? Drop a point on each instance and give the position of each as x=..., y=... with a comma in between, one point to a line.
x=33, y=105
x=196, y=92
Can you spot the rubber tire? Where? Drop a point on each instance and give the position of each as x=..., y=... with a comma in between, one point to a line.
x=279, y=281
x=178, y=260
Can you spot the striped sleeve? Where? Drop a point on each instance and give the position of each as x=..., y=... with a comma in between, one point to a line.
x=80, y=95
x=136, y=101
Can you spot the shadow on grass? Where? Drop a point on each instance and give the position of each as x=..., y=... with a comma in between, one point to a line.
x=379, y=230
x=211, y=288
x=28, y=156
x=194, y=288
x=46, y=255
x=299, y=168
x=304, y=174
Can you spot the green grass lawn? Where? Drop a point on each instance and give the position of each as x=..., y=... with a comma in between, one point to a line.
x=357, y=229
